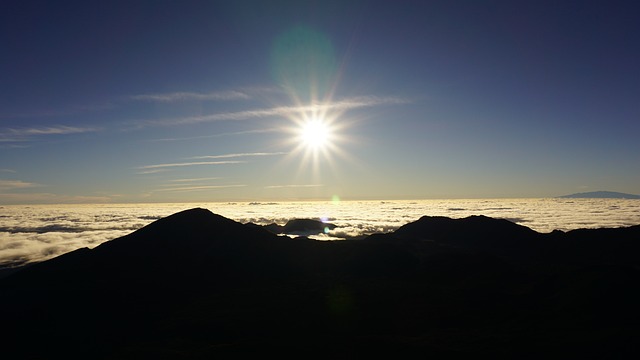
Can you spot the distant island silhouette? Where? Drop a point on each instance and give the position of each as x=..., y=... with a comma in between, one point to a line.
x=600, y=195
x=198, y=285
x=299, y=227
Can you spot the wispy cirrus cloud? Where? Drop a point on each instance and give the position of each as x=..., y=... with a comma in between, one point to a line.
x=12, y=145
x=193, y=180
x=192, y=96
x=8, y=170
x=25, y=134
x=194, y=184
x=243, y=93
x=16, y=184
x=197, y=163
x=229, y=156
x=285, y=111
x=71, y=110
x=256, y=131
x=293, y=186
x=160, y=167
x=200, y=187
x=151, y=171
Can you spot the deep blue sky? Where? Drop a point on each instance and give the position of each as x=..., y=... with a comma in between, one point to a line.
x=145, y=101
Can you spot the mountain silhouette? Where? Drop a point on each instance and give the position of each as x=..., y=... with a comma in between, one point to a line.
x=198, y=285
x=601, y=195
x=474, y=232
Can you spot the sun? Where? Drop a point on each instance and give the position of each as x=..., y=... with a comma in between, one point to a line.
x=315, y=134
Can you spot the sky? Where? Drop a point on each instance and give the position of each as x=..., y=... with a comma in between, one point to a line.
x=180, y=101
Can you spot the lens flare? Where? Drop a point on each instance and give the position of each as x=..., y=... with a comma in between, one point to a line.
x=304, y=64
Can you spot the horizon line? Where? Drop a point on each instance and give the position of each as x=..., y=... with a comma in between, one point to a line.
x=310, y=199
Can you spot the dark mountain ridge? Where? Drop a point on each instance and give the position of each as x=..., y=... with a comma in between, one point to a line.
x=197, y=285
x=601, y=195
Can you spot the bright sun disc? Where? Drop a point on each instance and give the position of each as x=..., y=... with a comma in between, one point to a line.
x=315, y=134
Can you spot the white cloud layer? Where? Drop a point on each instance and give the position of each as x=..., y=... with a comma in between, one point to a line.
x=35, y=233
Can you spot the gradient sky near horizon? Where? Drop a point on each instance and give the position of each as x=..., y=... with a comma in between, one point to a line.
x=163, y=101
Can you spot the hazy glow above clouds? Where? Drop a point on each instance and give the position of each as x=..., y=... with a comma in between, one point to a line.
x=51, y=198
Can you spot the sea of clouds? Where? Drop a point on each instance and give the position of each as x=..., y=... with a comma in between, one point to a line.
x=35, y=233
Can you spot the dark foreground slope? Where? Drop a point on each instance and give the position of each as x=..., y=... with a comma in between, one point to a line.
x=197, y=285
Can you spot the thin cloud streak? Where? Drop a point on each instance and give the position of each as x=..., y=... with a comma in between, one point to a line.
x=12, y=145
x=227, y=156
x=196, y=179
x=23, y=134
x=257, y=131
x=159, y=166
x=16, y=184
x=293, y=186
x=343, y=105
x=152, y=171
x=200, y=187
x=59, y=112
x=191, y=96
